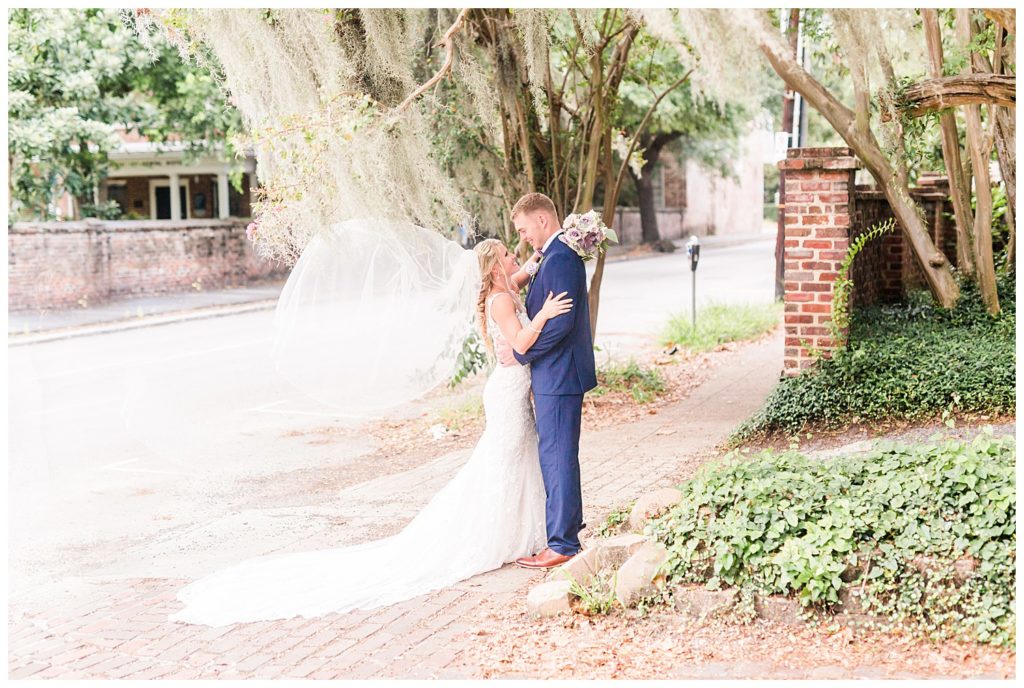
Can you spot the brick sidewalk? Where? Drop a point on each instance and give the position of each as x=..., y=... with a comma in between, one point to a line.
x=120, y=630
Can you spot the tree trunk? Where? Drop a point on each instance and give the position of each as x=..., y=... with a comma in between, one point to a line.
x=1011, y=242
x=788, y=105
x=959, y=190
x=980, y=153
x=645, y=186
x=1006, y=131
x=983, y=214
x=648, y=211
x=601, y=138
x=933, y=263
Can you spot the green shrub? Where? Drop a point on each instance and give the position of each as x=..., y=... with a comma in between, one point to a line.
x=785, y=523
x=642, y=384
x=614, y=520
x=472, y=359
x=912, y=360
x=721, y=323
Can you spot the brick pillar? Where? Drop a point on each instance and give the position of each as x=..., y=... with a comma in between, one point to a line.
x=819, y=196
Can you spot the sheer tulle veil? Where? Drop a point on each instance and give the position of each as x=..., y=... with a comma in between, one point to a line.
x=374, y=314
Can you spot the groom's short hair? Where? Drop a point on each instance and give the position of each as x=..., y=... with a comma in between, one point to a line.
x=533, y=202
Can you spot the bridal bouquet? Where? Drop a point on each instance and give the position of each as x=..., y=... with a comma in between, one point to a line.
x=587, y=235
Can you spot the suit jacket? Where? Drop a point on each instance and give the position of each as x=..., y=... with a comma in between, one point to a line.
x=562, y=358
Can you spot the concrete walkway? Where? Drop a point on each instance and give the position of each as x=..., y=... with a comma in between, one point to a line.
x=118, y=628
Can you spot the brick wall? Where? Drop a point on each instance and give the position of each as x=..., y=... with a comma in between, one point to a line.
x=824, y=211
x=819, y=183
x=885, y=268
x=58, y=264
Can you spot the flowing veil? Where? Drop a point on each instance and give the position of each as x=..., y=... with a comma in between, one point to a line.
x=374, y=314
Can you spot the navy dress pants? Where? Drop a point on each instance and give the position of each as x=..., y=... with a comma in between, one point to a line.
x=558, y=424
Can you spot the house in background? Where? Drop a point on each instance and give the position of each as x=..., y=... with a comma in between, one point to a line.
x=143, y=173
x=690, y=199
x=181, y=228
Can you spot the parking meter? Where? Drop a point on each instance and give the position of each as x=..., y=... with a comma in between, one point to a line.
x=693, y=252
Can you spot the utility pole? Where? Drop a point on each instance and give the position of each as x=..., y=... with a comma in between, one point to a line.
x=788, y=97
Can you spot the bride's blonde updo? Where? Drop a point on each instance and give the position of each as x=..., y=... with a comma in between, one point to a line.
x=488, y=254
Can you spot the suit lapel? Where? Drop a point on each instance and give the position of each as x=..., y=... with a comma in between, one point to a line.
x=536, y=277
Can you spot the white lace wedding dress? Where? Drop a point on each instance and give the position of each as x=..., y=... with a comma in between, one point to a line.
x=491, y=513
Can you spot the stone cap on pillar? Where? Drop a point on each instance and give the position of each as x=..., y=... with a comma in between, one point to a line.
x=837, y=158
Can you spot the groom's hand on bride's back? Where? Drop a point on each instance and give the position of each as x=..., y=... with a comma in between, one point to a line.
x=504, y=354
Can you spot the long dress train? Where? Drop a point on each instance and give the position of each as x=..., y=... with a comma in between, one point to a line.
x=490, y=513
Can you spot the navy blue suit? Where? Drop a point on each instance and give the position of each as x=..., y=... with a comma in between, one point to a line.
x=562, y=370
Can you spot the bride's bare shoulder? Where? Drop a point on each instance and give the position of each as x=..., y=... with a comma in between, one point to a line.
x=500, y=307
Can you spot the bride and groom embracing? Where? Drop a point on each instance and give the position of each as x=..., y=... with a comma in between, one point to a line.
x=517, y=498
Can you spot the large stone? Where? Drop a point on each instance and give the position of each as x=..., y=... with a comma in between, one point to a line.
x=699, y=602
x=582, y=568
x=653, y=504
x=614, y=551
x=640, y=575
x=851, y=601
x=780, y=609
x=929, y=566
x=964, y=568
x=549, y=599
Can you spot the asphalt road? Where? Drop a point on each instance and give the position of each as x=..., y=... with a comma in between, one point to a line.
x=122, y=440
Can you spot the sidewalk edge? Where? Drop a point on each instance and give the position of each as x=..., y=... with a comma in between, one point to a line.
x=123, y=325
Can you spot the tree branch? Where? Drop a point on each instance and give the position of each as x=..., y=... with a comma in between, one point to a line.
x=448, y=44
x=1006, y=18
x=843, y=120
x=639, y=130
x=926, y=97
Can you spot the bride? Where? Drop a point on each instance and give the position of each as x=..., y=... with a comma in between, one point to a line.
x=491, y=513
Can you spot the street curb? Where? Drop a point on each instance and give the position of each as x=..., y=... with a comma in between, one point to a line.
x=172, y=317
x=713, y=244
x=154, y=320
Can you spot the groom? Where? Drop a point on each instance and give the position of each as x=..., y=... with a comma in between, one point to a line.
x=562, y=369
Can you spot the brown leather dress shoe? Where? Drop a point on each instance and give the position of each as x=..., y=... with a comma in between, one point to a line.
x=548, y=558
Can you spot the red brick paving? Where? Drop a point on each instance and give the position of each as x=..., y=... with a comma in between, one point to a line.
x=122, y=630
x=129, y=636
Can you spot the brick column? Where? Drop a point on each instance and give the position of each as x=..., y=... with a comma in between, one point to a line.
x=819, y=196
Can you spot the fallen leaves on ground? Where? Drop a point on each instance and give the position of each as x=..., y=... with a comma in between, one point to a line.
x=668, y=645
x=683, y=372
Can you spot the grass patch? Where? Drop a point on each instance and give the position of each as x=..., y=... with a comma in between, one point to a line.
x=888, y=524
x=460, y=414
x=644, y=385
x=721, y=323
x=597, y=596
x=903, y=362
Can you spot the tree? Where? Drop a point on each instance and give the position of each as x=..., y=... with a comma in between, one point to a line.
x=708, y=130
x=455, y=112
x=867, y=41
x=562, y=117
x=977, y=84
x=74, y=78
x=67, y=86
